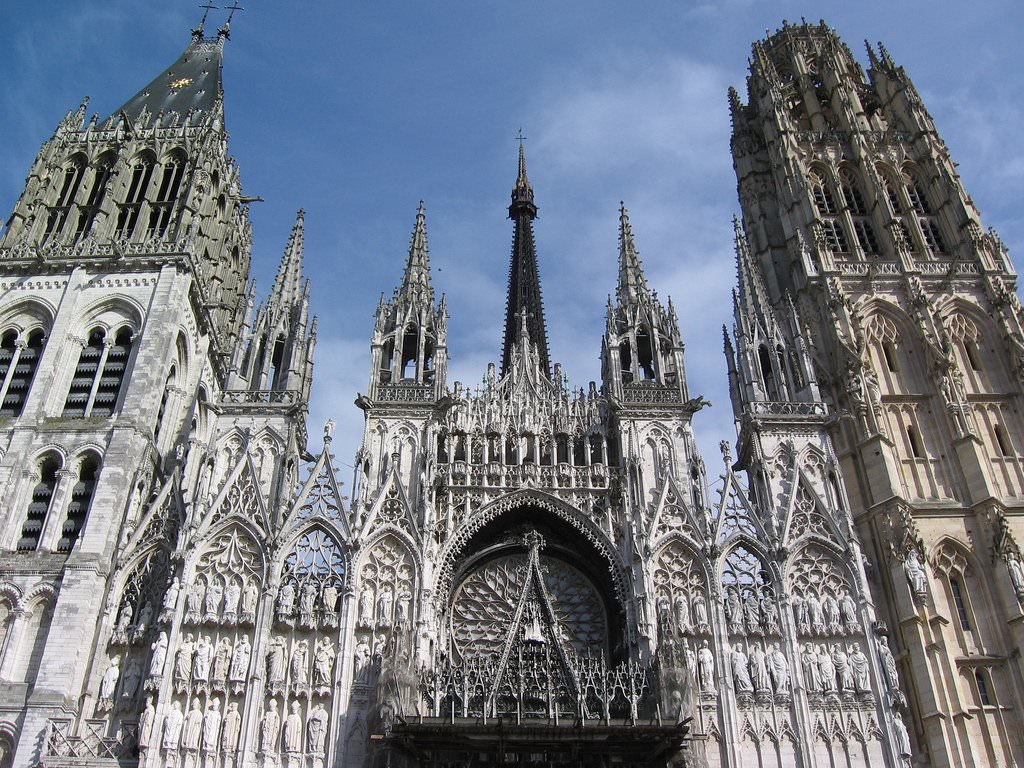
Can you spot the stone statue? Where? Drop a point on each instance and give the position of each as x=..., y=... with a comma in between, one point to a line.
x=146, y=723
x=194, y=601
x=201, y=660
x=803, y=625
x=232, y=597
x=232, y=728
x=316, y=730
x=108, y=684
x=841, y=661
x=830, y=608
x=270, y=727
x=362, y=661
x=285, y=602
x=130, y=681
x=740, y=673
x=170, y=600
x=307, y=602
x=848, y=610
x=752, y=613
x=759, y=670
x=329, y=599
x=402, y=607
x=193, y=727
x=221, y=662
x=384, y=605
x=172, y=728
x=682, y=606
x=323, y=663
x=145, y=617
x=859, y=670
x=214, y=598
x=250, y=596
x=276, y=661
x=240, y=660
x=691, y=659
x=770, y=614
x=916, y=577
x=211, y=726
x=300, y=664
x=159, y=648
x=700, y=613
x=892, y=676
x=706, y=667
x=815, y=614
x=366, y=607
x=124, y=622
x=828, y=670
x=733, y=611
x=778, y=667
x=1016, y=575
x=899, y=729
x=812, y=673
x=293, y=730
x=183, y=663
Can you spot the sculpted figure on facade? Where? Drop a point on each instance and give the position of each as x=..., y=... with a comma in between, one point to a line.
x=250, y=597
x=211, y=727
x=778, y=667
x=329, y=600
x=293, y=734
x=848, y=612
x=300, y=668
x=193, y=730
x=157, y=657
x=194, y=601
x=270, y=729
x=146, y=720
x=124, y=623
x=170, y=601
x=916, y=577
x=323, y=665
x=759, y=670
x=130, y=681
x=859, y=669
x=276, y=664
x=201, y=660
x=307, y=603
x=827, y=669
x=316, y=730
x=812, y=672
x=108, y=684
x=183, y=664
x=138, y=632
x=240, y=664
x=700, y=614
x=232, y=729
x=286, y=603
x=173, y=722
x=740, y=672
x=366, y=607
x=232, y=598
x=1016, y=571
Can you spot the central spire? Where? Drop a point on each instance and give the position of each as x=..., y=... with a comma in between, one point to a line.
x=524, y=299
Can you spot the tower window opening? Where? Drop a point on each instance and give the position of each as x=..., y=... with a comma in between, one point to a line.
x=971, y=352
x=65, y=200
x=511, y=453
x=893, y=196
x=984, y=697
x=932, y=235
x=112, y=377
x=410, y=351
x=167, y=195
x=386, y=360
x=442, y=448
x=562, y=449
x=865, y=233
x=889, y=353
x=917, y=195
x=626, y=363
x=459, y=444
x=18, y=369
x=545, y=450
x=835, y=237
x=824, y=202
x=595, y=449
x=277, y=374
x=87, y=214
x=851, y=193
x=768, y=378
x=645, y=354
x=579, y=452
x=958, y=602
x=78, y=507
x=531, y=445
x=1003, y=441
x=128, y=216
x=914, y=439
x=39, y=505
x=99, y=375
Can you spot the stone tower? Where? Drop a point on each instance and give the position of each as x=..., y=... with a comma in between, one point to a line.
x=896, y=351
x=151, y=433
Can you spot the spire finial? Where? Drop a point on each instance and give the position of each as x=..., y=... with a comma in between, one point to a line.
x=416, y=279
x=225, y=31
x=207, y=7
x=288, y=283
x=632, y=283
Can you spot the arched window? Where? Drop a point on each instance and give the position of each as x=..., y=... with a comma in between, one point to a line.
x=102, y=170
x=81, y=500
x=39, y=504
x=827, y=210
x=914, y=441
x=918, y=197
x=645, y=353
x=956, y=590
x=768, y=377
x=32, y=642
x=70, y=182
x=162, y=410
x=1003, y=441
x=626, y=362
x=985, y=697
x=100, y=373
x=19, y=359
x=863, y=229
x=167, y=193
x=128, y=214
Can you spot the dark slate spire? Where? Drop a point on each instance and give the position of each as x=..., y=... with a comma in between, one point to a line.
x=523, y=278
x=190, y=86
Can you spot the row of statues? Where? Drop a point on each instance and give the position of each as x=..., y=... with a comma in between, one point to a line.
x=839, y=671
x=200, y=664
x=750, y=613
x=308, y=604
x=383, y=608
x=109, y=696
x=214, y=600
x=759, y=671
x=826, y=616
x=296, y=667
x=685, y=615
x=130, y=628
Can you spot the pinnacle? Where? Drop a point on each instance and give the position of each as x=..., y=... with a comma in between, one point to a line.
x=288, y=283
x=416, y=278
x=632, y=283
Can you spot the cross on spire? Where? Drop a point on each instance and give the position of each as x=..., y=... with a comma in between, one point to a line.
x=520, y=138
x=232, y=8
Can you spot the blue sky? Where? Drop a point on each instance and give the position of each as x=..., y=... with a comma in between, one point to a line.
x=357, y=110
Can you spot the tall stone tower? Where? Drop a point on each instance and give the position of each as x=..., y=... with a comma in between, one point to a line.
x=896, y=350
x=151, y=433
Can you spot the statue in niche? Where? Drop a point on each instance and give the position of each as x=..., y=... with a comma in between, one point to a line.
x=170, y=601
x=828, y=670
x=221, y=663
x=752, y=613
x=130, y=683
x=211, y=726
x=812, y=672
x=145, y=617
x=682, y=609
x=841, y=662
x=384, y=608
x=366, y=607
x=733, y=611
x=800, y=616
x=778, y=668
x=108, y=684
x=214, y=598
x=362, y=661
x=146, y=719
x=740, y=673
x=899, y=729
x=293, y=732
x=830, y=609
x=159, y=655
x=250, y=596
x=299, y=667
x=916, y=577
x=193, y=727
x=329, y=599
x=759, y=670
x=859, y=669
x=770, y=613
x=239, y=664
x=194, y=601
x=1016, y=571
x=201, y=662
x=323, y=665
x=690, y=657
x=172, y=728
x=700, y=613
x=307, y=601
x=848, y=611
x=286, y=604
x=270, y=728
x=316, y=730
x=892, y=675
x=402, y=606
x=183, y=664
x=815, y=614
x=276, y=663
x=232, y=597
x=232, y=729
x=124, y=623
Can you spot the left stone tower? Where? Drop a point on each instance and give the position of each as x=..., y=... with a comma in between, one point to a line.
x=137, y=402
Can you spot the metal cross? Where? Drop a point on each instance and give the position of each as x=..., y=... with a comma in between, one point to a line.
x=520, y=137
x=233, y=7
x=206, y=12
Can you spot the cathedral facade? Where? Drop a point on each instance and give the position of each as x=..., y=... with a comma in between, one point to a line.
x=521, y=573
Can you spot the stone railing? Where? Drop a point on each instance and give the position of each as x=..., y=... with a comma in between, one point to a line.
x=649, y=392
x=788, y=409
x=259, y=397
x=63, y=747
x=405, y=393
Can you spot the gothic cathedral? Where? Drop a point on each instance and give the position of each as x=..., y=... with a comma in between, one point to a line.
x=521, y=573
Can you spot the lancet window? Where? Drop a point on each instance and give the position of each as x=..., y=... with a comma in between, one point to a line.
x=39, y=503
x=100, y=373
x=162, y=207
x=70, y=182
x=863, y=228
x=827, y=210
x=78, y=506
x=138, y=185
x=918, y=197
x=19, y=358
x=102, y=171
